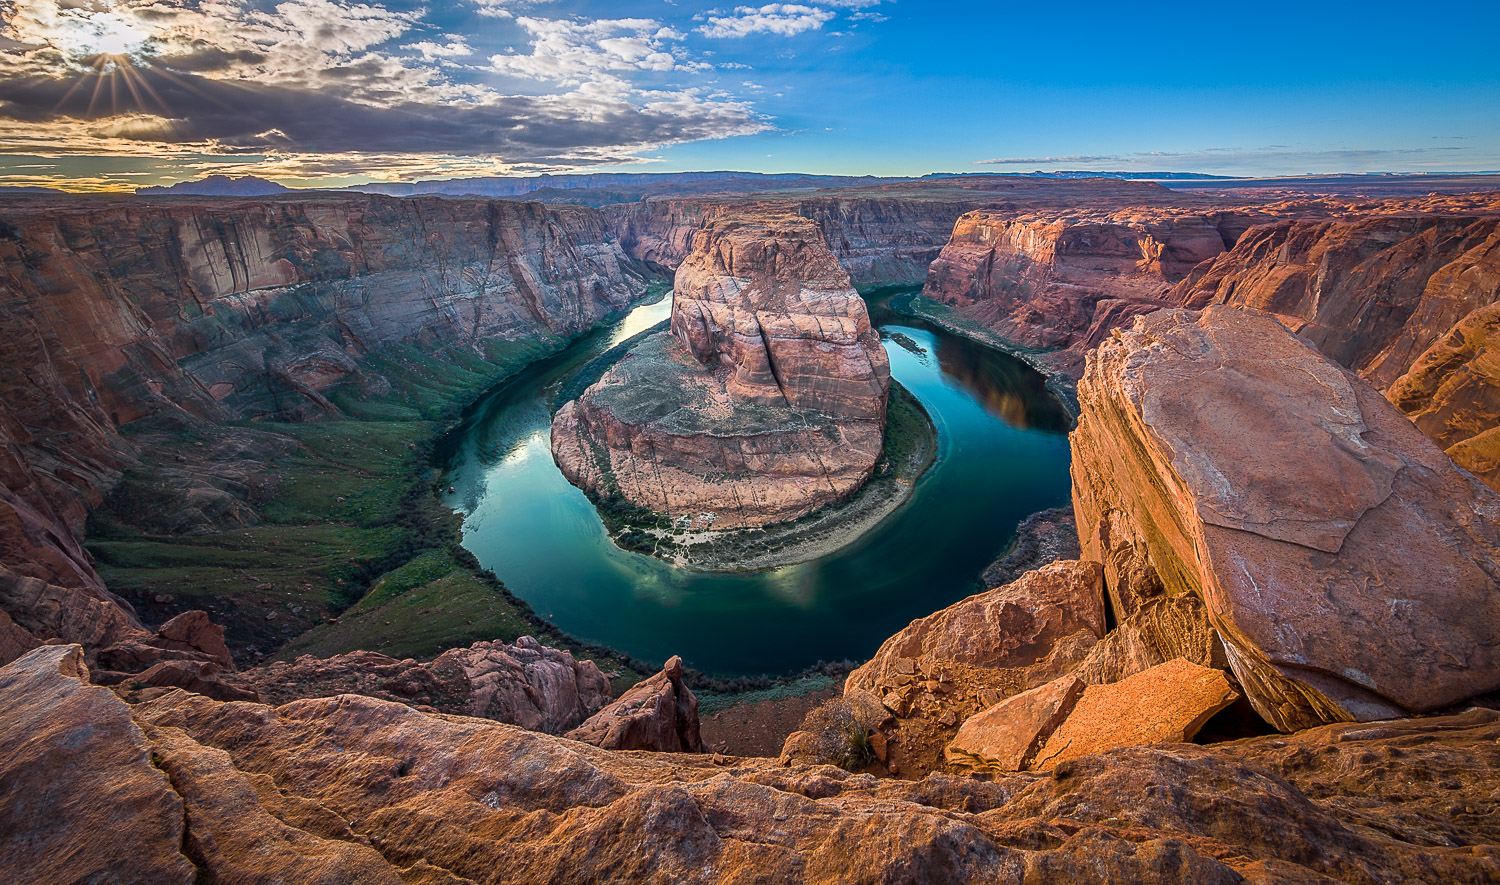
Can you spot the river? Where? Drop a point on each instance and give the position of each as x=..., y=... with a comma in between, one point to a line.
x=1002, y=455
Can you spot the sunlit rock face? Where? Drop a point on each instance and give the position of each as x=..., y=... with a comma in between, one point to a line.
x=1406, y=301
x=1348, y=565
x=764, y=402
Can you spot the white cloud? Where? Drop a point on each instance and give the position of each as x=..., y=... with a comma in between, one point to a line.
x=574, y=52
x=783, y=19
x=456, y=47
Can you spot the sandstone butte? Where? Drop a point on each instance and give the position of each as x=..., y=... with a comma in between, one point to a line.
x=765, y=401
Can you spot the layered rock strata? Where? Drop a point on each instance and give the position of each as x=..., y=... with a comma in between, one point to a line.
x=524, y=683
x=765, y=402
x=1348, y=565
x=185, y=789
x=232, y=310
x=1060, y=282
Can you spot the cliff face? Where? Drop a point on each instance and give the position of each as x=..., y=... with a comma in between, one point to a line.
x=766, y=401
x=1051, y=283
x=1406, y=302
x=117, y=311
x=1349, y=567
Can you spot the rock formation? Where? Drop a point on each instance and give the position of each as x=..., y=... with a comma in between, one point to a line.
x=658, y=714
x=1348, y=565
x=1060, y=284
x=525, y=683
x=185, y=789
x=765, y=402
x=237, y=310
x=1404, y=301
x=1066, y=719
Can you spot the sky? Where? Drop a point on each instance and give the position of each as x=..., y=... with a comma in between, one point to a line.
x=114, y=94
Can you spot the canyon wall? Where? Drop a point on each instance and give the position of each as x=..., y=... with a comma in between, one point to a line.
x=765, y=401
x=115, y=311
x=1059, y=283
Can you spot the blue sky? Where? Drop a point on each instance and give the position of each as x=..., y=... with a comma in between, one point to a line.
x=111, y=94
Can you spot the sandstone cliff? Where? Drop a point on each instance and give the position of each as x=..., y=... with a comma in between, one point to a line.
x=185, y=789
x=1058, y=282
x=765, y=402
x=238, y=309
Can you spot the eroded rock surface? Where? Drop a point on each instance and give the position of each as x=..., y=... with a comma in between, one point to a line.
x=346, y=788
x=525, y=683
x=1349, y=567
x=765, y=402
x=659, y=713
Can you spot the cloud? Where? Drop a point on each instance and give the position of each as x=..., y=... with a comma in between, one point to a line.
x=309, y=78
x=573, y=52
x=783, y=19
x=506, y=8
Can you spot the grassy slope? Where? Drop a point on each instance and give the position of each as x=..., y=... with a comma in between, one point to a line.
x=352, y=550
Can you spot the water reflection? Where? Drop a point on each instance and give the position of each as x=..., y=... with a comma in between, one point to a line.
x=1008, y=389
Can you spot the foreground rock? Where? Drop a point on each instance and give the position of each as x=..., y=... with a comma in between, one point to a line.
x=658, y=714
x=525, y=684
x=1349, y=567
x=358, y=789
x=1066, y=719
x=766, y=402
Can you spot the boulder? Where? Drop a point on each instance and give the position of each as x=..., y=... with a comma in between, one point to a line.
x=658, y=714
x=1165, y=704
x=1025, y=623
x=1161, y=629
x=1006, y=737
x=1231, y=460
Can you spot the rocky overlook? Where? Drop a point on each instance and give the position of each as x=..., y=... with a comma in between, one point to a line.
x=764, y=402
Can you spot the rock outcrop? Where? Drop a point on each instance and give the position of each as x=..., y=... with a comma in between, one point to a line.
x=358, y=789
x=1349, y=567
x=525, y=683
x=766, y=401
x=1405, y=301
x=1060, y=282
x=658, y=714
x=1066, y=719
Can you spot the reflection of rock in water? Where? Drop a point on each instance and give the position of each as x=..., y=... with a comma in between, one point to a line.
x=1007, y=388
x=907, y=343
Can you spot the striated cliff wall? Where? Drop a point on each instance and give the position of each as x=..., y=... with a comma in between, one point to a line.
x=1046, y=281
x=766, y=401
x=117, y=311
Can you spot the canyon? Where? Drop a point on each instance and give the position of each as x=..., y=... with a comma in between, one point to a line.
x=1282, y=478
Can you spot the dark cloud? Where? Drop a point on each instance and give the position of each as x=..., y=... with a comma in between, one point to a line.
x=245, y=117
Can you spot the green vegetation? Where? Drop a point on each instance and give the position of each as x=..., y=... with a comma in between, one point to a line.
x=321, y=538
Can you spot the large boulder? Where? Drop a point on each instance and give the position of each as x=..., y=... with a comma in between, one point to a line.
x=1066, y=719
x=1348, y=565
x=658, y=714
